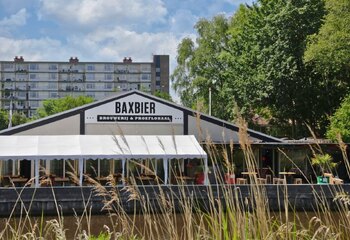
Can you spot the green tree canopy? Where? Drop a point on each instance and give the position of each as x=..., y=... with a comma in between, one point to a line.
x=255, y=59
x=163, y=95
x=340, y=122
x=53, y=106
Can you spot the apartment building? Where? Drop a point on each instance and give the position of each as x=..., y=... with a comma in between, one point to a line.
x=26, y=84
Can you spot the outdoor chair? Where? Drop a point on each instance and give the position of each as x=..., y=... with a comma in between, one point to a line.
x=268, y=179
x=262, y=181
x=241, y=181
x=298, y=181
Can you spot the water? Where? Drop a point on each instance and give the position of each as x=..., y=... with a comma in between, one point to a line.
x=96, y=224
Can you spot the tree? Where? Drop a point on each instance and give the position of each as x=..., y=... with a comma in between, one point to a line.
x=255, y=59
x=4, y=119
x=340, y=122
x=328, y=52
x=17, y=119
x=202, y=68
x=163, y=95
x=52, y=106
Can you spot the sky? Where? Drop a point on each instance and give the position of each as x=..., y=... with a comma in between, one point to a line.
x=101, y=30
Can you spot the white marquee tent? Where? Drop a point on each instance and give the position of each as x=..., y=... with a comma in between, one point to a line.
x=101, y=146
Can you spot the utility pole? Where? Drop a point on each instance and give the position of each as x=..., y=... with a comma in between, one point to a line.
x=209, y=101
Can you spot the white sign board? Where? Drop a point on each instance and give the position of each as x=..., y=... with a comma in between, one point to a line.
x=134, y=109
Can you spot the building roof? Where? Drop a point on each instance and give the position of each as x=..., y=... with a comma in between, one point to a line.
x=255, y=134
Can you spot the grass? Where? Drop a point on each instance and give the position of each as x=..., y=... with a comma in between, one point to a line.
x=223, y=218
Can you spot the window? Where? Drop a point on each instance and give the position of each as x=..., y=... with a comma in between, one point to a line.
x=33, y=66
x=53, y=67
x=109, y=67
x=145, y=77
x=108, y=76
x=52, y=76
x=90, y=86
x=90, y=76
x=53, y=95
x=8, y=66
x=34, y=94
x=33, y=85
x=108, y=85
x=157, y=74
x=146, y=68
x=34, y=104
x=90, y=94
x=52, y=85
x=90, y=68
x=32, y=76
x=157, y=69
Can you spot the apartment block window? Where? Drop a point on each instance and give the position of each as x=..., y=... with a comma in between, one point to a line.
x=145, y=77
x=108, y=85
x=8, y=66
x=52, y=85
x=33, y=66
x=53, y=95
x=34, y=104
x=90, y=67
x=146, y=68
x=90, y=94
x=32, y=76
x=157, y=74
x=33, y=85
x=108, y=76
x=21, y=94
x=157, y=83
x=109, y=67
x=53, y=67
x=52, y=76
x=90, y=86
x=33, y=94
x=90, y=76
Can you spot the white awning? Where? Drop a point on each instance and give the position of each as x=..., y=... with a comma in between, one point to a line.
x=99, y=146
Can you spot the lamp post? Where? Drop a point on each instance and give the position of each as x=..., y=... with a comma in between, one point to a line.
x=209, y=101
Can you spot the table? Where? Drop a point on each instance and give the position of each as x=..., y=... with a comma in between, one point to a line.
x=247, y=174
x=185, y=179
x=144, y=179
x=19, y=181
x=62, y=180
x=288, y=176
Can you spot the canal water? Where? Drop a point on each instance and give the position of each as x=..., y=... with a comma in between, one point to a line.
x=96, y=224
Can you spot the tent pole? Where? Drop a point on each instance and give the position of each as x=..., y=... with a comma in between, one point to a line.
x=206, y=180
x=123, y=170
x=81, y=168
x=165, y=165
x=36, y=166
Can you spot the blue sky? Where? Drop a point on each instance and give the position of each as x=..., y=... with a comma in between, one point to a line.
x=101, y=30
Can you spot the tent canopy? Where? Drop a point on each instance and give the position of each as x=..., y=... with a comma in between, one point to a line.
x=99, y=146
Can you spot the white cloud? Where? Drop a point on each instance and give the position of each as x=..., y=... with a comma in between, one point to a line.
x=114, y=44
x=92, y=13
x=17, y=19
x=33, y=49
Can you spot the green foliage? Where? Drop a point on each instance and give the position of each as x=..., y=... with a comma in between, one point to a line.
x=4, y=119
x=53, y=106
x=163, y=95
x=101, y=236
x=340, y=122
x=255, y=59
x=17, y=119
x=324, y=162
